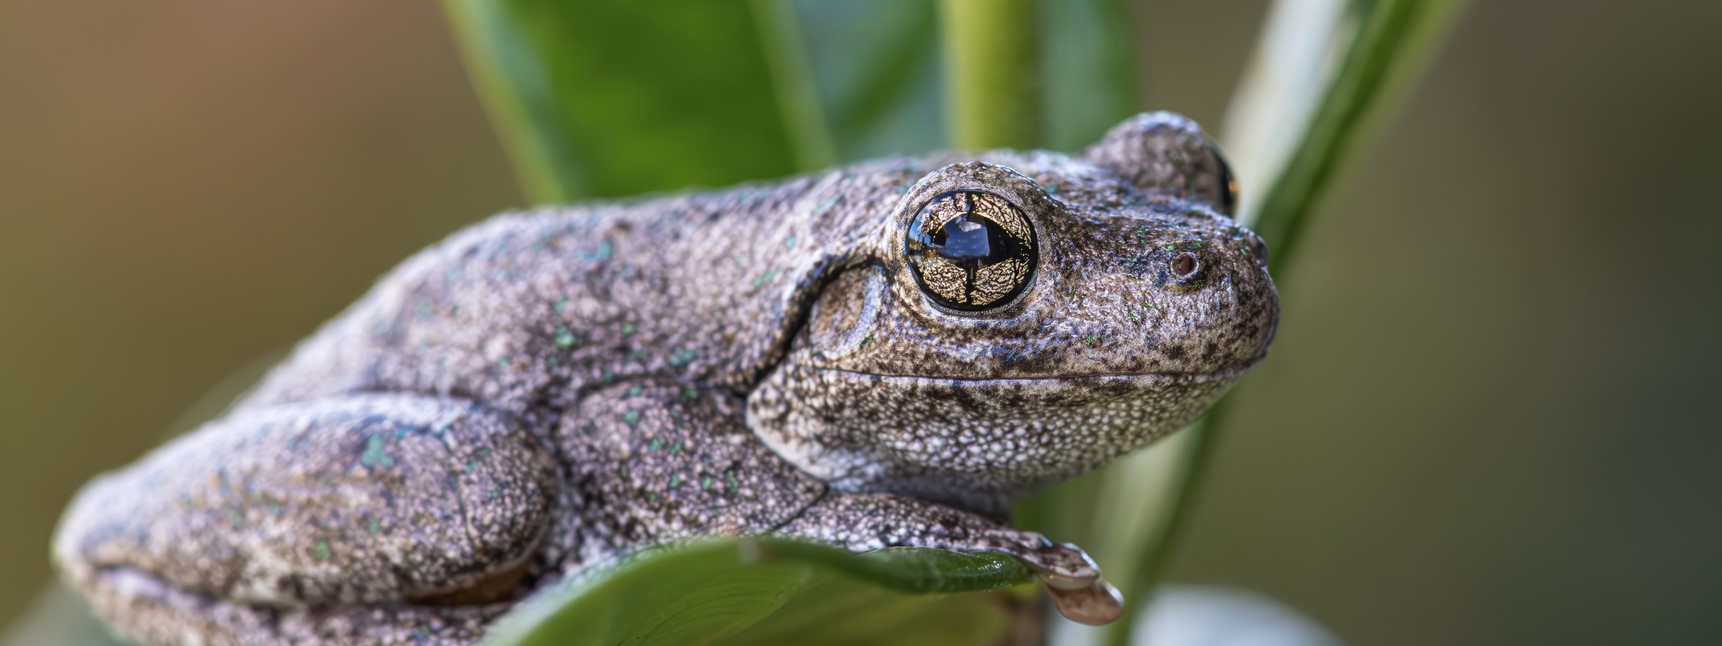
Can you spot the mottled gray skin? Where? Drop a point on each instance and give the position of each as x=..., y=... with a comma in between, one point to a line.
x=548, y=390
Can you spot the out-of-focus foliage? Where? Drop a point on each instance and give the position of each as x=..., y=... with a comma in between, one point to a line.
x=605, y=99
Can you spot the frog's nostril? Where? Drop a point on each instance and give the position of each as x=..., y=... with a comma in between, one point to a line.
x=1185, y=265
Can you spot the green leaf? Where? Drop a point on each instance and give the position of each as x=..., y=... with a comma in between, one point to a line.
x=876, y=66
x=597, y=99
x=1088, y=70
x=1325, y=73
x=727, y=591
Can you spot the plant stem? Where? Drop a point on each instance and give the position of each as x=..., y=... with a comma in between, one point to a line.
x=992, y=68
x=1382, y=45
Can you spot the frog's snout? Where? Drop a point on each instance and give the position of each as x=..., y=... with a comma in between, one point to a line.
x=1210, y=300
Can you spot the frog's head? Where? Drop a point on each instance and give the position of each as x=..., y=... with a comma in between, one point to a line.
x=1024, y=318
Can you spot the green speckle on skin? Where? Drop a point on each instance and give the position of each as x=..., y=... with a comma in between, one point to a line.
x=470, y=466
x=1184, y=245
x=495, y=493
x=690, y=393
x=639, y=354
x=628, y=329
x=632, y=417
x=635, y=390
x=564, y=337
x=762, y=279
x=504, y=362
x=675, y=481
x=1134, y=315
x=867, y=341
x=374, y=455
x=374, y=526
x=603, y=252
x=236, y=519
x=561, y=306
x=1091, y=341
x=652, y=496
x=654, y=445
x=729, y=480
x=706, y=483
x=683, y=357
x=676, y=448
x=1052, y=190
x=789, y=245
x=321, y=551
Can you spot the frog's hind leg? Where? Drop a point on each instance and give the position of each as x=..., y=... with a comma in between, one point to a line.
x=871, y=521
x=304, y=521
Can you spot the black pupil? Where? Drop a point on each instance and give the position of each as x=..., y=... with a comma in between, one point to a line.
x=970, y=250
x=973, y=242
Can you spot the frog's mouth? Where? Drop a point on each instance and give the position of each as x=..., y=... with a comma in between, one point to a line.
x=977, y=443
x=1148, y=380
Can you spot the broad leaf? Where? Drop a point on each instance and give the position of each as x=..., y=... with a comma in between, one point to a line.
x=713, y=591
x=598, y=99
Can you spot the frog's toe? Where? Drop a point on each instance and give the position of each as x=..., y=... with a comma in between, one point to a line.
x=1095, y=604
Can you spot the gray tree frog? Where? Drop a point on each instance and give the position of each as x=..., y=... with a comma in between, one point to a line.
x=887, y=354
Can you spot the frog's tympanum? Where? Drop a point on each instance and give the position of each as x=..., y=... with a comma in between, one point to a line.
x=888, y=354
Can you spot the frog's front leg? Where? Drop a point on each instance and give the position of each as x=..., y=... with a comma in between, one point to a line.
x=660, y=460
x=870, y=521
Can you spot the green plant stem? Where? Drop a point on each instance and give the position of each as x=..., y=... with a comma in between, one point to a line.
x=992, y=67
x=1394, y=41
x=1389, y=41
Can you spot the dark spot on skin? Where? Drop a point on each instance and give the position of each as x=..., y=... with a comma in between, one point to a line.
x=1184, y=265
x=1175, y=353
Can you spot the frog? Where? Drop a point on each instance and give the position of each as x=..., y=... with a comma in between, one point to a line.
x=885, y=355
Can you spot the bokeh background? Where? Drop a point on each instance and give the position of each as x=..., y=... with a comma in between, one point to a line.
x=1490, y=416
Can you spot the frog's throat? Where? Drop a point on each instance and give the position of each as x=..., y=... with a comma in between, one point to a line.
x=973, y=443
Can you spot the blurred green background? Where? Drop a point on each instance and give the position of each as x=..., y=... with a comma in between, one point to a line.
x=1487, y=419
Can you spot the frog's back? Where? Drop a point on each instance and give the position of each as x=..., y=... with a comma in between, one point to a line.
x=528, y=310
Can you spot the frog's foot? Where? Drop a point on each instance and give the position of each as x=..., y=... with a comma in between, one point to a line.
x=1071, y=578
x=864, y=522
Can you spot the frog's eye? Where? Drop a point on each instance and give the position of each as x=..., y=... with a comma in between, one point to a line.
x=1228, y=184
x=970, y=250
